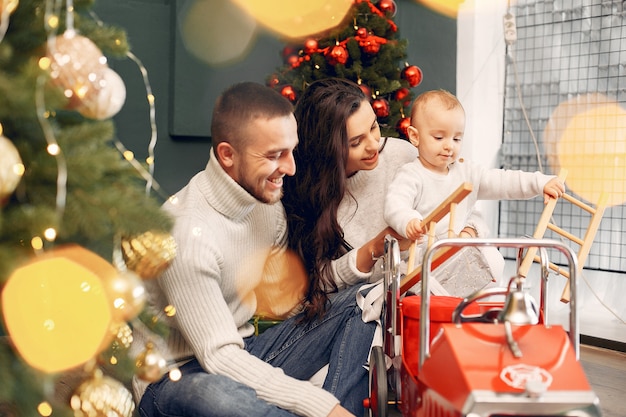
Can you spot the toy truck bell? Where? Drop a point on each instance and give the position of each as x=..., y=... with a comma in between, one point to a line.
x=519, y=307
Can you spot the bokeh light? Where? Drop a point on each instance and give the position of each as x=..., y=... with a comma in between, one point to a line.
x=297, y=19
x=54, y=299
x=216, y=31
x=279, y=292
x=449, y=8
x=587, y=136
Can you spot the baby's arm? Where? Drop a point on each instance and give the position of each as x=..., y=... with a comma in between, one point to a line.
x=400, y=201
x=554, y=188
x=468, y=231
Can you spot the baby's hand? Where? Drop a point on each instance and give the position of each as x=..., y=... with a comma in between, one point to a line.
x=554, y=188
x=414, y=229
x=468, y=231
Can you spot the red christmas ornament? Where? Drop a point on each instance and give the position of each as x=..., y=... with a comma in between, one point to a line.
x=366, y=90
x=381, y=107
x=371, y=44
x=412, y=74
x=388, y=7
x=379, y=12
x=371, y=47
x=337, y=55
x=310, y=46
x=402, y=93
x=403, y=127
x=361, y=33
x=289, y=93
x=273, y=81
x=288, y=51
x=294, y=61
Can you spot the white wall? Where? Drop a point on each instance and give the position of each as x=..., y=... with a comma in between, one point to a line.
x=480, y=85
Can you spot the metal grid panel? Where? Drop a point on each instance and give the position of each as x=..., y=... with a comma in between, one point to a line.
x=564, y=49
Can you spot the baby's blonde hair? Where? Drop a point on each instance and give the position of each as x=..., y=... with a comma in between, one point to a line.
x=446, y=98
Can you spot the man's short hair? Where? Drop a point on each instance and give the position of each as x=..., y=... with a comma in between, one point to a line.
x=241, y=104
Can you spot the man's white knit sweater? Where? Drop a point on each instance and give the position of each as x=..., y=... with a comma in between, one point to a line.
x=224, y=236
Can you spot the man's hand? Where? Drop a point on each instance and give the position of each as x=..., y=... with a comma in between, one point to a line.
x=339, y=411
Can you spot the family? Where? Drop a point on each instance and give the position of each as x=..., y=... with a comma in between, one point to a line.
x=318, y=186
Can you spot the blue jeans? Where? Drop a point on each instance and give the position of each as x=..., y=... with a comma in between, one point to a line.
x=340, y=339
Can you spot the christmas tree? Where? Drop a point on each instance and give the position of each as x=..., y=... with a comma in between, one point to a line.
x=72, y=207
x=365, y=49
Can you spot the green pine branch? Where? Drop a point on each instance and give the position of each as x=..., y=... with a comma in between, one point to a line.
x=106, y=197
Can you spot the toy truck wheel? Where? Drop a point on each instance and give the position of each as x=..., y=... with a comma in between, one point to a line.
x=378, y=383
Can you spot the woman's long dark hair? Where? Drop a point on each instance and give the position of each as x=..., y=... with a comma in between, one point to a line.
x=313, y=194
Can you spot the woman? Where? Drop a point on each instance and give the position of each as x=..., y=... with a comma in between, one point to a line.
x=334, y=203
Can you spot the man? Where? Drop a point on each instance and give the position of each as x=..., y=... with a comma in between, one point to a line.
x=230, y=228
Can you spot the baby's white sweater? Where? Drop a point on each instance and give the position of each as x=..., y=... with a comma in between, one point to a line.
x=416, y=191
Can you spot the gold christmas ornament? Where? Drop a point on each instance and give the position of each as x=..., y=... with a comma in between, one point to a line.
x=124, y=336
x=149, y=254
x=127, y=295
x=151, y=365
x=11, y=167
x=102, y=396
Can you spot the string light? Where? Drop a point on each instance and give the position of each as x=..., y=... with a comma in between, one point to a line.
x=44, y=63
x=146, y=175
x=53, y=148
x=151, y=184
x=175, y=374
x=36, y=243
x=44, y=408
x=69, y=15
x=53, y=22
x=170, y=310
x=50, y=234
x=153, y=127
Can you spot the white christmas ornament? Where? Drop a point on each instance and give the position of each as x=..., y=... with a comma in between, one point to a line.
x=108, y=99
x=76, y=65
x=11, y=167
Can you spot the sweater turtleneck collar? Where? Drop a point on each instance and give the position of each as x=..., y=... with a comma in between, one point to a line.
x=223, y=193
x=357, y=180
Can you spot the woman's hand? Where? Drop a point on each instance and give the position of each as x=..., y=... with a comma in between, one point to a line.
x=369, y=253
